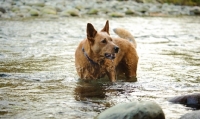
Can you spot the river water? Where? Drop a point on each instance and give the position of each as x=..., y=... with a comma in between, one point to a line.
x=38, y=77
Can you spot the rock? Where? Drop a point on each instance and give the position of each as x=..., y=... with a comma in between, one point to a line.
x=6, y=5
x=191, y=100
x=192, y=115
x=133, y=110
x=59, y=8
x=73, y=12
x=35, y=3
x=18, y=3
x=79, y=7
x=15, y=9
x=49, y=10
x=116, y=14
x=64, y=13
x=129, y=12
x=25, y=9
x=143, y=8
x=2, y=10
x=34, y=12
x=195, y=11
x=154, y=9
x=1, y=14
x=185, y=10
x=93, y=11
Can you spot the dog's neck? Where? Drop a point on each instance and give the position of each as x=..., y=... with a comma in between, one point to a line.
x=88, y=58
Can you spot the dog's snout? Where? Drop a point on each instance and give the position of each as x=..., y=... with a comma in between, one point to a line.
x=116, y=49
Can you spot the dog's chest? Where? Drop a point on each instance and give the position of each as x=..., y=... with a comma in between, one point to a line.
x=91, y=71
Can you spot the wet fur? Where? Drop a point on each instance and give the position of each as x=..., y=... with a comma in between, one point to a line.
x=102, y=50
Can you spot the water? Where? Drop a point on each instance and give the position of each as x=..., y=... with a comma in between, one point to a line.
x=38, y=77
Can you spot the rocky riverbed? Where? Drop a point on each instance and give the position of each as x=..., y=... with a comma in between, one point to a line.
x=84, y=8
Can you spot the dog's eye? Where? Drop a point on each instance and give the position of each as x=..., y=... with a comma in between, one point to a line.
x=104, y=41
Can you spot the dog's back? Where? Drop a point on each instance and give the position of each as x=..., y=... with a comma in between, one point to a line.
x=123, y=33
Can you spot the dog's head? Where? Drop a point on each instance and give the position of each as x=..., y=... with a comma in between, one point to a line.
x=101, y=43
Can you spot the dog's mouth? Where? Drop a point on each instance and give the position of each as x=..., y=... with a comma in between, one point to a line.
x=110, y=56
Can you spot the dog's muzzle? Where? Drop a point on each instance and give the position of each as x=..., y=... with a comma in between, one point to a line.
x=112, y=55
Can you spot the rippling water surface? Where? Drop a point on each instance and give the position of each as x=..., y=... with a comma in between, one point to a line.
x=38, y=77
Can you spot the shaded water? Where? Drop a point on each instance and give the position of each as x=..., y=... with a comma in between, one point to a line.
x=38, y=77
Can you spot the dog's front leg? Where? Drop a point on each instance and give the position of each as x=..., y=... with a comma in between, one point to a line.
x=111, y=73
x=112, y=76
x=110, y=70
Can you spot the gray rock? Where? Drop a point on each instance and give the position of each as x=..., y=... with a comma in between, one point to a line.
x=64, y=13
x=154, y=9
x=93, y=11
x=129, y=12
x=116, y=14
x=195, y=10
x=191, y=100
x=49, y=10
x=73, y=12
x=34, y=12
x=6, y=5
x=1, y=14
x=15, y=9
x=35, y=3
x=25, y=9
x=2, y=10
x=18, y=3
x=192, y=115
x=185, y=10
x=133, y=110
x=59, y=8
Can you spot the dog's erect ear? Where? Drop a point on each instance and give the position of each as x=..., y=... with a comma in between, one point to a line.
x=106, y=27
x=91, y=32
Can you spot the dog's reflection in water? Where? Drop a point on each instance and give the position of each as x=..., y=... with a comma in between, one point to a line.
x=89, y=90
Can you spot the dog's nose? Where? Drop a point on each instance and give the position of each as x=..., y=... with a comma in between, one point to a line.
x=116, y=49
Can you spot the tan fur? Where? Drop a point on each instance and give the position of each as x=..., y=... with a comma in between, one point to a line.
x=96, y=47
x=125, y=34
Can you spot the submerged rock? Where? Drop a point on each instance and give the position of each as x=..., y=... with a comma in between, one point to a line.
x=133, y=110
x=190, y=100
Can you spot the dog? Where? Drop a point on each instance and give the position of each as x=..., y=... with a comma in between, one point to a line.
x=99, y=54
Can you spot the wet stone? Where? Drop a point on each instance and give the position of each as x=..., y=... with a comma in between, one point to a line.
x=190, y=100
x=73, y=12
x=93, y=11
x=191, y=115
x=195, y=11
x=133, y=110
x=35, y=3
x=2, y=10
x=49, y=11
x=34, y=12
x=116, y=14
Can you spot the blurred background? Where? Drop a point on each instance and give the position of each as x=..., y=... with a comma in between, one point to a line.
x=111, y=8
